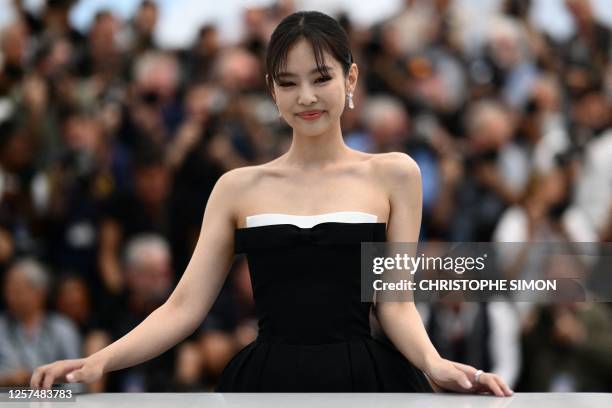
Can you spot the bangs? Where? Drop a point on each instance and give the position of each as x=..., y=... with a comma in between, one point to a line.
x=319, y=48
x=322, y=32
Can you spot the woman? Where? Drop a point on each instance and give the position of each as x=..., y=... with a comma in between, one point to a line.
x=300, y=219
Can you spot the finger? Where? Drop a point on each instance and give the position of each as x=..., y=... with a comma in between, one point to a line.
x=48, y=378
x=464, y=367
x=492, y=384
x=35, y=379
x=75, y=376
x=462, y=380
x=502, y=384
x=70, y=367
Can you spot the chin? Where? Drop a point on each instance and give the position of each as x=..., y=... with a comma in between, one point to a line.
x=312, y=129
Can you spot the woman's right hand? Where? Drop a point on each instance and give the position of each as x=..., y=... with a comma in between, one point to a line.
x=85, y=370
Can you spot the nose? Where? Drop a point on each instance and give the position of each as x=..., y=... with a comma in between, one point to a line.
x=306, y=95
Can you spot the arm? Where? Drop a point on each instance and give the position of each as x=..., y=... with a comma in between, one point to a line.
x=181, y=314
x=400, y=320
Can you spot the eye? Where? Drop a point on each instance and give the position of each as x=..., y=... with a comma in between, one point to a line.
x=323, y=79
x=285, y=84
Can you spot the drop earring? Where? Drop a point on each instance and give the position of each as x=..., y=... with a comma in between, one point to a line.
x=349, y=96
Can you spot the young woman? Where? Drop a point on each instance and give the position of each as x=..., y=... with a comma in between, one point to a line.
x=300, y=220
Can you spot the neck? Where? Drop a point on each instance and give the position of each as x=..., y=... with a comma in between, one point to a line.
x=316, y=152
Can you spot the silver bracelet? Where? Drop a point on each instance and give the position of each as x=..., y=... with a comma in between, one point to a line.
x=477, y=376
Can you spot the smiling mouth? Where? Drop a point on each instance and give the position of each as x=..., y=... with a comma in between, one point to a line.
x=310, y=115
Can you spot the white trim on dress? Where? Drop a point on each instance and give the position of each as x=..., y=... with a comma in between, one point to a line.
x=309, y=221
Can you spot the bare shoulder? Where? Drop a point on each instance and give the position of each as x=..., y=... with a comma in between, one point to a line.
x=236, y=183
x=236, y=180
x=224, y=202
x=243, y=180
x=400, y=176
x=395, y=168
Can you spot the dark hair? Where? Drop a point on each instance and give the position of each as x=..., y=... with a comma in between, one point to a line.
x=321, y=30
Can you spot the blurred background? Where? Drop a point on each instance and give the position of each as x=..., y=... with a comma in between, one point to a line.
x=117, y=118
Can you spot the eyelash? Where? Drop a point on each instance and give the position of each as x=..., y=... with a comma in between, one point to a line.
x=320, y=80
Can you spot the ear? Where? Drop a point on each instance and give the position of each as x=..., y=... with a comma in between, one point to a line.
x=351, y=78
x=270, y=88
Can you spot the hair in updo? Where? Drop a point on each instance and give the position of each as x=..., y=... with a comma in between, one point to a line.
x=323, y=32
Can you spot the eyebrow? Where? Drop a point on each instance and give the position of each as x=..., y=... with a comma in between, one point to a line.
x=312, y=71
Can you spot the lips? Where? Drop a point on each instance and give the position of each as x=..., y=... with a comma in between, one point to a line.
x=310, y=115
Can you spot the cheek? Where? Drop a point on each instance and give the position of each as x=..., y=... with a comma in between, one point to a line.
x=331, y=98
x=335, y=104
x=336, y=98
x=284, y=101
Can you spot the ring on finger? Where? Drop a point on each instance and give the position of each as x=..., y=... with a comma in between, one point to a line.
x=477, y=376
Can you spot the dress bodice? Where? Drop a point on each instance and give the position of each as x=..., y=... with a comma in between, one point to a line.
x=306, y=281
x=314, y=332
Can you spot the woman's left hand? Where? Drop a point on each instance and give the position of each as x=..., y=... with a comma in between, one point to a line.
x=458, y=377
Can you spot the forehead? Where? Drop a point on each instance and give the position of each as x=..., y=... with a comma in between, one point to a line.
x=301, y=59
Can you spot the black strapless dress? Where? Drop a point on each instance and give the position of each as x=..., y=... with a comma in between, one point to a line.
x=314, y=332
